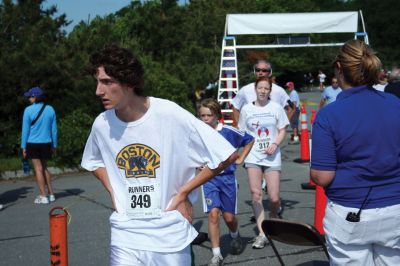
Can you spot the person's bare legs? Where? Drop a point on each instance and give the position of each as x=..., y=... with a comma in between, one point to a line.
x=231, y=221
x=213, y=227
x=39, y=174
x=255, y=178
x=295, y=132
x=47, y=177
x=273, y=187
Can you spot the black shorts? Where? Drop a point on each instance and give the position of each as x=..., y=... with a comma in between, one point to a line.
x=41, y=151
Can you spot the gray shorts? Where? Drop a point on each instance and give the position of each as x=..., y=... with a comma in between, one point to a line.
x=264, y=169
x=294, y=121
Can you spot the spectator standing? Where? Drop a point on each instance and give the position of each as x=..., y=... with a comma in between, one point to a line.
x=330, y=93
x=145, y=151
x=358, y=165
x=266, y=121
x=39, y=141
x=382, y=82
x=321, y=77
x=220, y=193
x=393, y=88
x=294, y=121
x=310, y=79
x=393, y=85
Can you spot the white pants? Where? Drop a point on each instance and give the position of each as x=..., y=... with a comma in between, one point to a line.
x=374, y=240
x=122, y=256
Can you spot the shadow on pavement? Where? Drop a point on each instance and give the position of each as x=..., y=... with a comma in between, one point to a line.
x=14, y=195
x=68, y=193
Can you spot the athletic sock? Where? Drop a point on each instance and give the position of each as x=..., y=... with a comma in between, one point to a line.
x=234, y=234
x=216, y=251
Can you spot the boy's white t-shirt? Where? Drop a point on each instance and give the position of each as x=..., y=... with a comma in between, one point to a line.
x=147, y=161
x=263, y=122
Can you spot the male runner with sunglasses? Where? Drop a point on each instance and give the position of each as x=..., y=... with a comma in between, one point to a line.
x=247, y=93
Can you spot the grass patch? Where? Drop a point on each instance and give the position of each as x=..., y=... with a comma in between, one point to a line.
x=15, y=163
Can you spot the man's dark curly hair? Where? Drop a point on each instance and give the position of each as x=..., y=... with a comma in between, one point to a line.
x=120, y=64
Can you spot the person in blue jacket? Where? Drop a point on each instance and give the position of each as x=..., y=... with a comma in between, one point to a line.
x=356, y=157
x=39, y=140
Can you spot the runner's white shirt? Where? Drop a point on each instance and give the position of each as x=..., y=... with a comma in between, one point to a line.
x=263, y=124
x=147, y=161
x=247, y=94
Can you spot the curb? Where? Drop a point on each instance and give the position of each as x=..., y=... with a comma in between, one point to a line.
x=19, y=174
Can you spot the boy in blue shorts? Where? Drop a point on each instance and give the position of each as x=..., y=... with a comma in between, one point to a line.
x=220, y=193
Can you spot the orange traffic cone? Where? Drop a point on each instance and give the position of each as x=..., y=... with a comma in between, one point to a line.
x=311, y=184
x=304, y=141
x=58, y=237
x=319, y=212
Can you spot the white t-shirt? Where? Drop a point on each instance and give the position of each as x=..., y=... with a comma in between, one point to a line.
x=147, y=161
x=247, y=94
x=379, y=87
x=294, y=97
x=322, y=77
x=263, y=124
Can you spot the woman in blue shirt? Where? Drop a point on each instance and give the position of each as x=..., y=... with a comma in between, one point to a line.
x=356, y=157
x=39, y=140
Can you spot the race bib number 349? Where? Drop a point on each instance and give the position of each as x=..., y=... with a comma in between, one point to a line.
x=143, y=201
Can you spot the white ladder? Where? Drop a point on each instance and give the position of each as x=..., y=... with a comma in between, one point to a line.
x=228, y=83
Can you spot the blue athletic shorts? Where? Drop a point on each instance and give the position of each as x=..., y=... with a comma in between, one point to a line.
x=220, y=192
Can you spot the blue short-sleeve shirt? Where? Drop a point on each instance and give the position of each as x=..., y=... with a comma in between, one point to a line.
x=358, y=136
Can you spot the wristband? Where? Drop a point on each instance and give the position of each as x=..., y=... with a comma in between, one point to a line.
x=277, y=145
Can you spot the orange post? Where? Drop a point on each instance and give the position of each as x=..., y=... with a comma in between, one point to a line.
x=319, y=212
x=311, y=184
x=313, y=115
x=304, y=142
x=58, y=237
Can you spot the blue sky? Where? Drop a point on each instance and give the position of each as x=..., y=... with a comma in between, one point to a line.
x=78, y=10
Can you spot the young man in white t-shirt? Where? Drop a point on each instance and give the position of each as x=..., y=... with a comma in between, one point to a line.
x=145, y=151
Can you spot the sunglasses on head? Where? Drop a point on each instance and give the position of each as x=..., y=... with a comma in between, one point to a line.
x=265, y=70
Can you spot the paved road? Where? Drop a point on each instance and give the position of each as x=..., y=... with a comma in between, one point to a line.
x=24, y=227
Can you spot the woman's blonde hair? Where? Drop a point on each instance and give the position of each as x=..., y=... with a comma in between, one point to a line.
x=359, y=64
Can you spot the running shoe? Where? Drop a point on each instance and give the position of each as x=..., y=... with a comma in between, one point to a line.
x=259, y=242
x=52, y=198
x=280, y=211
x=216, y=260
x=41, y=200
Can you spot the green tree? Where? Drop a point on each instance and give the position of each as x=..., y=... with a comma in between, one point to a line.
x=28, y=44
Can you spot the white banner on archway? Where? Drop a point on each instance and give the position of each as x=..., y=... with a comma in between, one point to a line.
x=287, y=23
